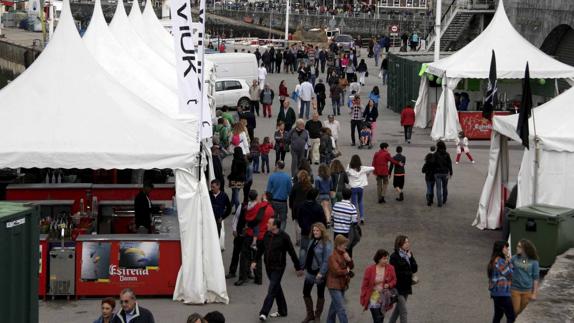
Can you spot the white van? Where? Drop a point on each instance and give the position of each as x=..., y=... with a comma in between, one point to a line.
x=234, y=66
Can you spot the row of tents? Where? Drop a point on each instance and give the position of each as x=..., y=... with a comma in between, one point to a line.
x=553, y=120
x=109, y=101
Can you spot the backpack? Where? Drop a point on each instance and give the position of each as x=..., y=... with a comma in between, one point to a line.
x=235, y=140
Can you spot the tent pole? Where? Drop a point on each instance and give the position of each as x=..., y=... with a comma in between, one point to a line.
x=536, y=161
x=444, y=94
x=437, y=27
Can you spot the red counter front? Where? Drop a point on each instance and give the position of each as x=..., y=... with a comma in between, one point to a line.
x=106, y=264
x=475, y=126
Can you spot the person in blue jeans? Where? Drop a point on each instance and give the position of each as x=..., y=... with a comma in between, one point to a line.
x=499, y=272
x=338, y=277
x=443, y=172
x=358, y=180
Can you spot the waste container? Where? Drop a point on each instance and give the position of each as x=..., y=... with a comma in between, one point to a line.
x=19, y=247
x=550, y=228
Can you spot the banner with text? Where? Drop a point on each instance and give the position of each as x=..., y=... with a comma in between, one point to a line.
x=189, y=67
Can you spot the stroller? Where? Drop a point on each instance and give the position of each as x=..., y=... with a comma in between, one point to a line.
x=366, y=136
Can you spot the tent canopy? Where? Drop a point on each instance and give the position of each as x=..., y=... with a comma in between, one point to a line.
x=112, y=56
x=512, y=52
x=555, y=177
x=53, y=112
x=552, y=129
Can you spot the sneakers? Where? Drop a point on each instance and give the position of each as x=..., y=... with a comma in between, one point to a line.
x=262, y=318
x=362, y=222
x=457, y=163
x=239, y=283
x=473, y=161
x=276, y=314
x=229, y=276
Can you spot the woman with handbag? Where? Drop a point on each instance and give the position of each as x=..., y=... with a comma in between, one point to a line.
x=280, y=145
x=377, y=289
x=405, y=267
x=315, y=260
x=238, y=175
x=338, y=278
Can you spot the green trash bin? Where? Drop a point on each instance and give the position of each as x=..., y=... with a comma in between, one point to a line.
x=19, y=247
x=550, y=228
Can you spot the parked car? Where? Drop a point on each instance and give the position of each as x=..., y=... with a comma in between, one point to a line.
x=231, y=92
x=344, y=41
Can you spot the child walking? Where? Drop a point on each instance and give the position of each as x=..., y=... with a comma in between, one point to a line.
x=254, y=149
x=264, y=150
x=462, y=146
x=399, y=175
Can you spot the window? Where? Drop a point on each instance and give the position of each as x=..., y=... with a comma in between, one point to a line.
x=232, y=85
x=218, y=86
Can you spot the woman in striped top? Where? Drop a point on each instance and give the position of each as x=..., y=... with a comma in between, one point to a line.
x=499, y=280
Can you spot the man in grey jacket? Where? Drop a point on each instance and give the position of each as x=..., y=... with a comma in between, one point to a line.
x=297, y=139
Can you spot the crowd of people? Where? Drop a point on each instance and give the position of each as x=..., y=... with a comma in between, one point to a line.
x=325, y=204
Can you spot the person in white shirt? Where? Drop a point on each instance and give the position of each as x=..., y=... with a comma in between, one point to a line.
x=358, y=180
x=262, y=75
x=306, y=94
x=334, y=125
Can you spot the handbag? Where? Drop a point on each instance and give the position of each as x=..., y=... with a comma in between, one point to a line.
x=367, y=74
x=355, y=235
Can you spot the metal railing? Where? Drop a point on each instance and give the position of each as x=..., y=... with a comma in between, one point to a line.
x=403, y=4
x=451, y=12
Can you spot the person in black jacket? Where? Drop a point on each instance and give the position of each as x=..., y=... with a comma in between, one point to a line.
x=237, y=176
x=443, y=171
x=220, y=204
x=309, y=212
x=142, y=207
x=278, y=60
x=276, y=245
x=131, y=311
x=429, y=169
x=321, y=93
x=405, y=267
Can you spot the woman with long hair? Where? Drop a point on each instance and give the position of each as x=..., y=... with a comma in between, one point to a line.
x=370, y=115
x=323, y=185
x=297, y=197
x=315, y=261
x=358, y=181
x=339, y=180
x=238, y=175
x=362, y=70
x=443, y=172
x=499, y=271
x=525, y=275
x=239, y=138
x=378, y=280
x=405, y=266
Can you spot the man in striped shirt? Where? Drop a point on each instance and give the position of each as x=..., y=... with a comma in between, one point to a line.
x=344, y=214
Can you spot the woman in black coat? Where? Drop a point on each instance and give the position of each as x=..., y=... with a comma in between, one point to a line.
x=237, y=176
x=405, y=267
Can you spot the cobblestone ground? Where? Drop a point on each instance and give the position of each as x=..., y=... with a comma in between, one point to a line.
x=451, y=254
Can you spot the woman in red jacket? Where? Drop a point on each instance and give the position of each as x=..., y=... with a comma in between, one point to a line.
x=408, y=121
x=378, y=280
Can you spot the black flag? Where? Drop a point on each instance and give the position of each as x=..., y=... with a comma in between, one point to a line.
x=525, y=110
x=491, y=98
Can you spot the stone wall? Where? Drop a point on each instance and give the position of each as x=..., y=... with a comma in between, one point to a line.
x=555, y=303
x=535, y=19
x=349, y=25
x=15, y=58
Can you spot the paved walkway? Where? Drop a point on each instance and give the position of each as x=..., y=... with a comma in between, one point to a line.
x=451, y=254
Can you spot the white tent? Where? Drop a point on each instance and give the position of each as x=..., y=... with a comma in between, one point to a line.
x=128, y=37
x=473, y=61
x=155, y=27
x=555, y=177
x=112, y=56
x=148, y=35
x=65, y=111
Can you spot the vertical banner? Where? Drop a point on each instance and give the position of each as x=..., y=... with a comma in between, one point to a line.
x=199, y=37
x=189, y=67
